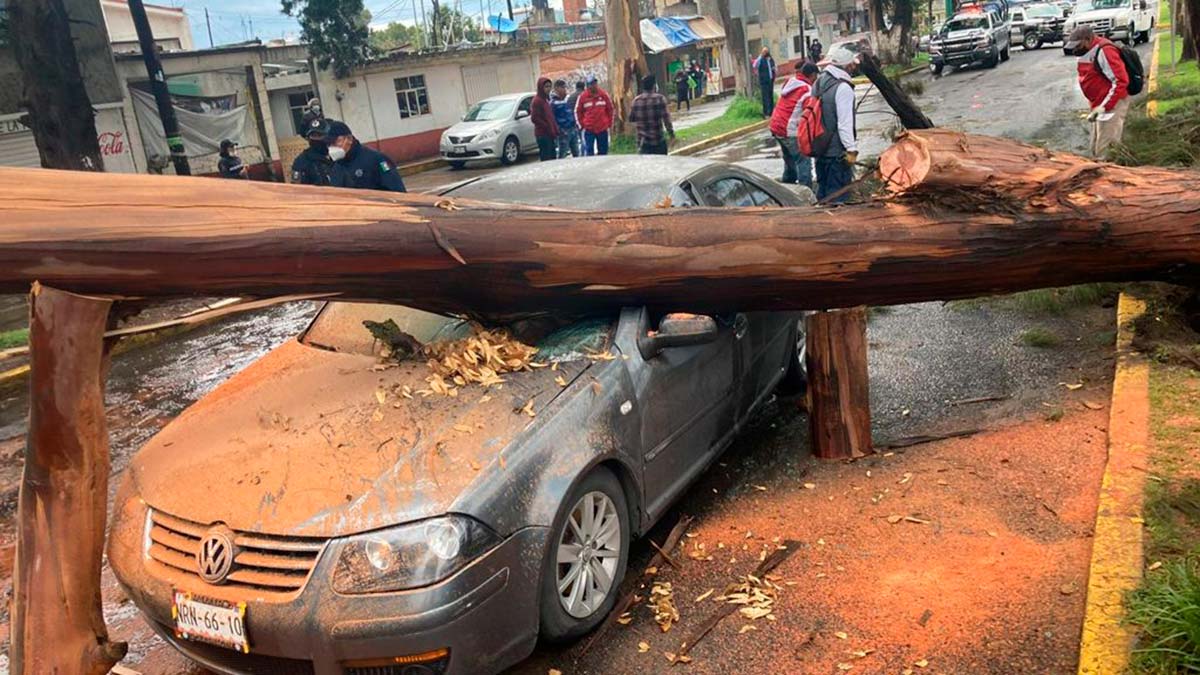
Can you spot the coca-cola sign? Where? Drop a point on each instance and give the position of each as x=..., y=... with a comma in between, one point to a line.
x=112, y=143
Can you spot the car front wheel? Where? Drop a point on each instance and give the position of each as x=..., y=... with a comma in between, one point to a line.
x=936, y=68
x=588, y=551
x=511, y=151
x=795, y=379
x=1032, y=41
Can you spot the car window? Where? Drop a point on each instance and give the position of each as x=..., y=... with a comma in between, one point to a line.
x=760, y=196
x=1017, y=16
x=728, y=192
x=525, y=103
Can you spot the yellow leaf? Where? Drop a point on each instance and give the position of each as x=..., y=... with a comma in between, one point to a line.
x=747, y=628
x=643, y=647
x=381, y=396
x=844, y=666
x=463, y=428
x=704, y=596
x=841, y=635
x=554, y=671
x=894, y=518
x=560, y=381
x=763, y=488
x=810, y=486
x=925, y=662
x=1155, y=565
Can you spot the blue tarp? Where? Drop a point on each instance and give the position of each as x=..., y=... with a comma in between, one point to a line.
x=675, y=30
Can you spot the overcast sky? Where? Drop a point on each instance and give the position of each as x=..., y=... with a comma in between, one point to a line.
x=231, y=20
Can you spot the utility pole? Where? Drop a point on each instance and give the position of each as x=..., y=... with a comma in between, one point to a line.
x=510, y=14
x=158, y=85
x=803, y=45
x=208, y=22
x=251, y=28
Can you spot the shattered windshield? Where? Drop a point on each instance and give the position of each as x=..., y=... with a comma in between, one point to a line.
x=490, y=110
x=359, y=328
x=965, y=24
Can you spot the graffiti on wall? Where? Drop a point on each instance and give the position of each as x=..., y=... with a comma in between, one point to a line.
x=561, y=33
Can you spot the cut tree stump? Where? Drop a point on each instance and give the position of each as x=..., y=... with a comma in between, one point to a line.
x=58, y=624
x=839, y=414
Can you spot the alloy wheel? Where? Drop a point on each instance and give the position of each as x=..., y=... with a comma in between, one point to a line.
x=589, y=549
x=511, y=151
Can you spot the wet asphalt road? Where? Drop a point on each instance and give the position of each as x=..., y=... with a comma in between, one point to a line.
x=923, y=358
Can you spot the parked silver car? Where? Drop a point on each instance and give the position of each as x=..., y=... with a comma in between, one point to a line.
x=306, y=518
x=494, y=128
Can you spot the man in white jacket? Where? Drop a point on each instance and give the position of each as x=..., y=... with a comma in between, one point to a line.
x=835, y=167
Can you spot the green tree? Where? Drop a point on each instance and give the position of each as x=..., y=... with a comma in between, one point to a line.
x=454, y=26
x=335, y=30
x=396, y=35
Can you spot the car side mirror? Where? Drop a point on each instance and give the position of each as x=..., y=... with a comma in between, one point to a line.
x=522, y=114
x=677, y=330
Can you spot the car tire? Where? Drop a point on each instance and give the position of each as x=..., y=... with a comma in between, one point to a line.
x=1129, y=36
x=603, y=492
x=937, y=69
x=1004, y=54
x=992, y=61
x=458, y=166
x=795, y=380
x=1031, y=42
x=510, y=152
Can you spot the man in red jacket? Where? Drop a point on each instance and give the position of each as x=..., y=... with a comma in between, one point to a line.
x=541, y=113
x=594, y=111
x=1104, y=82
x=797, y=168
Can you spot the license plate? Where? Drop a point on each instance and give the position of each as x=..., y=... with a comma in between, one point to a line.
x=213, y=621
x=460, y=149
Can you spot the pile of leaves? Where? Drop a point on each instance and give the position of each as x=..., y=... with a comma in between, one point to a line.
x=663, y=603
x=479, y=359
x=756, y=596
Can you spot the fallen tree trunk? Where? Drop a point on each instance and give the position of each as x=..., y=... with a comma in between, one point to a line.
x=839, y=418
x=61, y=507
x=911, y=117
x=1027, y=218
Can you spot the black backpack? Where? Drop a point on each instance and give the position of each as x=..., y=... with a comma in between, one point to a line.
x=1133, y=67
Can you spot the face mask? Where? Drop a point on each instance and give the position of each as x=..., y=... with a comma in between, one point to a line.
x=336, y=153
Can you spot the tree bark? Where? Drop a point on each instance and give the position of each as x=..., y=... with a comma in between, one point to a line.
x=58, y=109
x=839, y=413
x=910, y=115
x=58, y=624
x=971, y=216
x=735, y=42
x=626, y=59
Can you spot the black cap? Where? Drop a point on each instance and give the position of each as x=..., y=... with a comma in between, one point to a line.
x=227, y=144
x=318, y=128
x=337, y=128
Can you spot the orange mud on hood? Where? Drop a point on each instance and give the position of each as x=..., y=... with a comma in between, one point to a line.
x=300, y=444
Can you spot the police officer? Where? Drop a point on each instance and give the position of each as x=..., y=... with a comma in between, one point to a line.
x=230, y=165
x=313, y=166
x=360, y=166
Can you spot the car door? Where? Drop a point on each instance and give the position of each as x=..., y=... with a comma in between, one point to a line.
x=765, y=345
x=1017, y=25
x=525, y=124
x=687, y=409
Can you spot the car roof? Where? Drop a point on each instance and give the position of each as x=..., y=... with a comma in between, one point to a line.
x=608, y=182
x=507, y=97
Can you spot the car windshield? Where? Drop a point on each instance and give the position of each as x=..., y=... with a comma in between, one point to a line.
x=1043, y=10
x=339, y=327
x=486, y=111
x=1089, y=5
x=965, y=24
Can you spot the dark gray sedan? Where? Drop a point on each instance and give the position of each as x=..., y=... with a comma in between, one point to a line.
x=328, y=512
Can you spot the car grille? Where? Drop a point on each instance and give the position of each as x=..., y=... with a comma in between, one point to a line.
x=254, y=664
x=461, y=139
x=1097, y=24
x=263, y=562
x=958, y=46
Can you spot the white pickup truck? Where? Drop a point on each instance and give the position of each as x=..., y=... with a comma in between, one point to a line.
x=1131, y=21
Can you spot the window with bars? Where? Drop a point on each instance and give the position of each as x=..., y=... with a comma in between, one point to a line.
x=296, y=104
x=411, y=96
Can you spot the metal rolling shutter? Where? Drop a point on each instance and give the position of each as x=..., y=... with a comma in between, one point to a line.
x=19, y=150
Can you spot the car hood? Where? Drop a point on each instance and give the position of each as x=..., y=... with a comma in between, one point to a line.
x=475, y=128
x=1096, y=14
x=961, y=34
x=308, y=442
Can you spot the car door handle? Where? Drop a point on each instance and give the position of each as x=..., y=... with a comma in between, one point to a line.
x=740, y=325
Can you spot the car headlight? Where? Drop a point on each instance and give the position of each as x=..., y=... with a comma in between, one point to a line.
x=410, y=556
x=488, y=135
x=984, y=42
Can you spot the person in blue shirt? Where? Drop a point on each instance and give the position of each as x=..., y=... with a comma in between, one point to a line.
x=564, y=116
x=357, y=165
x=313, y=166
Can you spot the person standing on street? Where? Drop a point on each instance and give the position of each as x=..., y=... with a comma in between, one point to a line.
x=358, y=166
x=594, y=112
x=683, y=88
x=1105, y=83
x=564, y=117
x=541, y=113
x=230, y=165
x=764, y=67
x=797, y=168
x=649, y=115
x=698, y=76
x=814, y=50
x=835, y=167
x=313, y=166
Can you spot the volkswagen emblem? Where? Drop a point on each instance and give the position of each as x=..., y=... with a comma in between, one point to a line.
x=215, y=559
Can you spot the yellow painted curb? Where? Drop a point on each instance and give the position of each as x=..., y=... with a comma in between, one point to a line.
x=1152, y=81
x=700, y=146
x=1117, y=559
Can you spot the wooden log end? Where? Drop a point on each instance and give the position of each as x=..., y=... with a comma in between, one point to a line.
x=905, y=164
